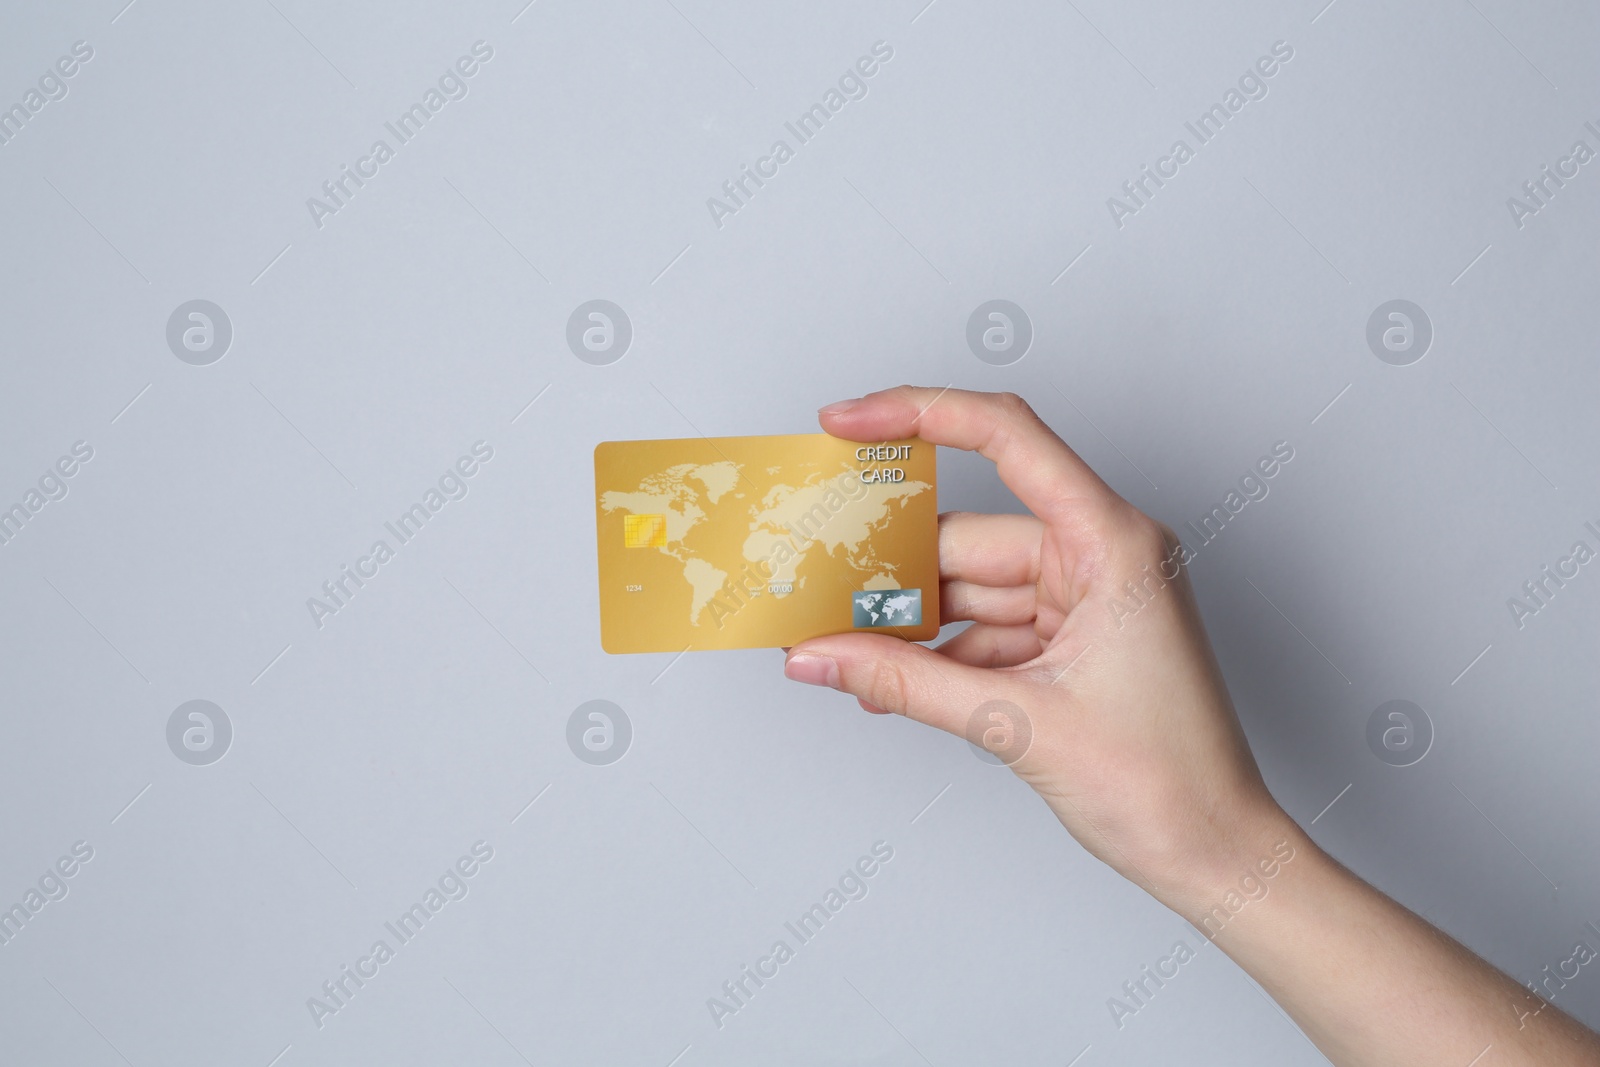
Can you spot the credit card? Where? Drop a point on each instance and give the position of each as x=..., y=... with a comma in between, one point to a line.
x=758, y=542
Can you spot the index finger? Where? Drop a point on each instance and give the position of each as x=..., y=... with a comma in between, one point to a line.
x=1046, y=475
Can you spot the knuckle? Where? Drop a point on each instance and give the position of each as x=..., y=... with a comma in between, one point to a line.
x=1147, y=540
x=888, y=687
x=1150, y=548
x=1013, y=406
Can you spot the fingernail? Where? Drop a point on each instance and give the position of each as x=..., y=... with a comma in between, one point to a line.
x=838, y=407
x=812, y=670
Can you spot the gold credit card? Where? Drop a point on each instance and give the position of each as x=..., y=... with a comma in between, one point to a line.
x=758, y=542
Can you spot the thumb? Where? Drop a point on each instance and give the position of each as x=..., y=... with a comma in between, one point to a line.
x=895, y=675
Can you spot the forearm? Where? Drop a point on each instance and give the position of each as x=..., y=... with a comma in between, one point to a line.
x=1086, y=669
x=1368, y=981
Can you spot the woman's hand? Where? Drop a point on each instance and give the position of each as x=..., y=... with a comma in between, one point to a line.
x=1087, y=669
x=1086, y=666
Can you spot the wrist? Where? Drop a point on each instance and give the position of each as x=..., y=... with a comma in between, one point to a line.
x=1258, y=850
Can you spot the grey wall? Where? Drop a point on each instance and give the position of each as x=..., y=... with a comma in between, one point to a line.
x=373, y=346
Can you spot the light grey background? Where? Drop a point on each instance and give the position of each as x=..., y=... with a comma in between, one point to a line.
x=368, y=354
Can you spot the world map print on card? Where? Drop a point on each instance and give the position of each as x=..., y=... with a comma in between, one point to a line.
x=760, y=541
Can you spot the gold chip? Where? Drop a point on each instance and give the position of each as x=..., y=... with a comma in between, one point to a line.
x=644, y=531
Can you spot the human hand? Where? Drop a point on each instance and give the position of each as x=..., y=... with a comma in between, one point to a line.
x=1086, y=667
